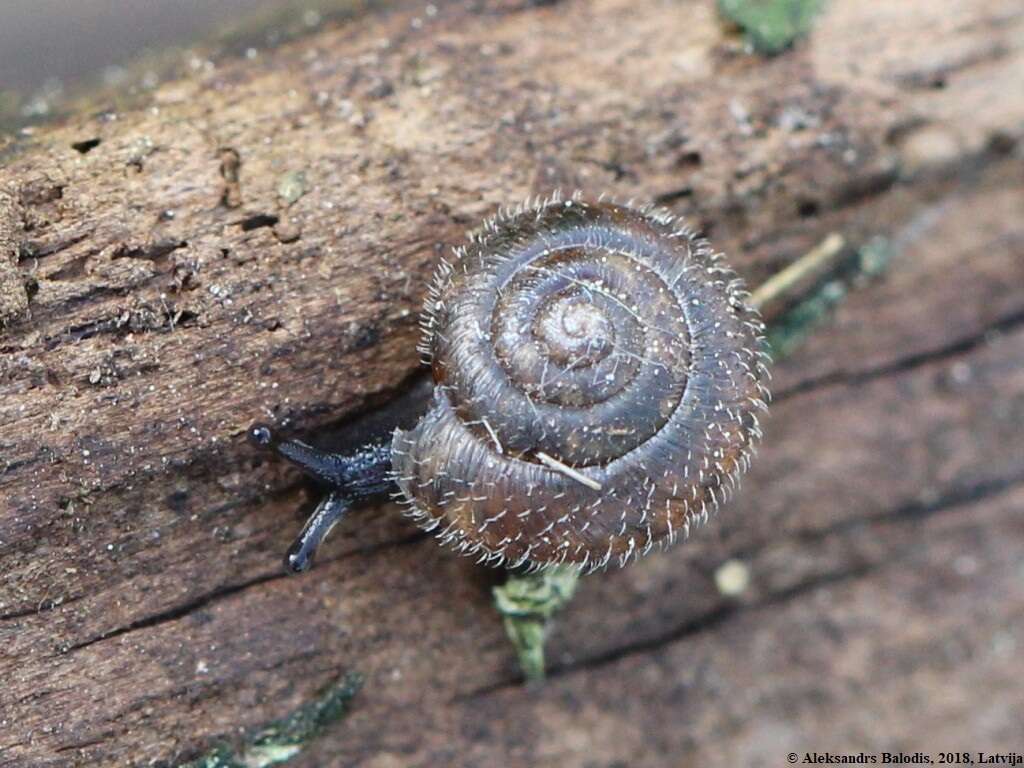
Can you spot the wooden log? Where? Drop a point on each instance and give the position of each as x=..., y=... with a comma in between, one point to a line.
x=253, y=243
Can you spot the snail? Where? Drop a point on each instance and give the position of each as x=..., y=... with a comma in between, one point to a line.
x=598, y=375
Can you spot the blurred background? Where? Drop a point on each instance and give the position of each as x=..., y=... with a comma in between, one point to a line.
x=53, y=50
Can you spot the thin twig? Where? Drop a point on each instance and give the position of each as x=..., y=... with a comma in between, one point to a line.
x=568, y=471
x=819, y=261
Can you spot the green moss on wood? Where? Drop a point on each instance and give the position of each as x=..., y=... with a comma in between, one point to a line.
x=283, y=739
x=772, y=26
x=527, y=604
x=796, y=325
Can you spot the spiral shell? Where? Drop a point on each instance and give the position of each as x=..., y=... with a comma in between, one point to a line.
x=598, y=376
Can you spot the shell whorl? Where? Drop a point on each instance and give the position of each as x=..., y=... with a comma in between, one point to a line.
x=598, y=377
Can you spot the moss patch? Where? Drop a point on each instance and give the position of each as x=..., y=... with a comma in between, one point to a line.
x=527, y=604
x=771, y=26
x=283, y=739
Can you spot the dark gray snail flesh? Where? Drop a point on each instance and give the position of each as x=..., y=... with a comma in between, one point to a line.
x=598, y=376
x=362, y=475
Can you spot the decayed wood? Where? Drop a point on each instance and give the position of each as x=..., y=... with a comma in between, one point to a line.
x=254, y=244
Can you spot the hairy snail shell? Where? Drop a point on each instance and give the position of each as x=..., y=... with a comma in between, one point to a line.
x=598, y=377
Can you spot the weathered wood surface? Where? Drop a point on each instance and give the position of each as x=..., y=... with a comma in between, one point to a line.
x=154, y=307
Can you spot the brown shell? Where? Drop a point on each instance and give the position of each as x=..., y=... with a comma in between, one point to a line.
x=598, y=376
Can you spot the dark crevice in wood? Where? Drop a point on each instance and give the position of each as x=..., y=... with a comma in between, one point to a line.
x=938, y=77
x=952, y=501
x=204, y=601
x=673, y=195
x=179, y=611
x=91, y=293
x=150, y=252
x=40, y=192
x=80, y=745
x=713, y=619
x=955, y=348
x=73, y=270
x=86, y=145
x=874, y=184
x=864, y=187
x=33, y=250
x=45, y=606
x=162, y=320
x=257, y=221
x=807, y=209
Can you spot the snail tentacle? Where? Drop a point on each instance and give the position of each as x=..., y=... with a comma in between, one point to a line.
x=351, y=477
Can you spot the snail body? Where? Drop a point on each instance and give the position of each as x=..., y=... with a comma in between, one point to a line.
x=598, y=377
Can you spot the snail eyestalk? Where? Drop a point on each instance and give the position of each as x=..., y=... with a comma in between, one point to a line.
x=328, y=512
x=325, y=467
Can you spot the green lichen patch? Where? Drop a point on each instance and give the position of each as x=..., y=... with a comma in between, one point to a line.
x=795, y=326
x=292, y=186
x=873, y=258
x=219, y=757
x=283, y=739
x=527, y=604
x=771, y=26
